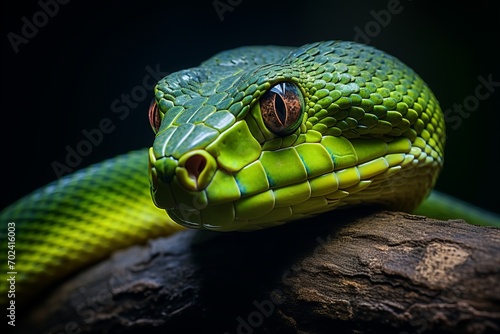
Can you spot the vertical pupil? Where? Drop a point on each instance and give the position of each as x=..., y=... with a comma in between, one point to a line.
x=280, y=108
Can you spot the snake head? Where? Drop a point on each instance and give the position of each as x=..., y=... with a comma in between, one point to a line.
x=258, y=136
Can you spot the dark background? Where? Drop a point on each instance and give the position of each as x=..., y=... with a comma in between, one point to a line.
x=66, y=77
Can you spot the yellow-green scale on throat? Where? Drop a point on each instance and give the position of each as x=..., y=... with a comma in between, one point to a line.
x=365, y=129
x=369, y=131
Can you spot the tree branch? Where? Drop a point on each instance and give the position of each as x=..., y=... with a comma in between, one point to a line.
x=342, y=272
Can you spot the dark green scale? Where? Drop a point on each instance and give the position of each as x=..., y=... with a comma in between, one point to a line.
x=362, y=110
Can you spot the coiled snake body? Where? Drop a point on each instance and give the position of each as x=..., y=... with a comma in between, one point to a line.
x=252, y=138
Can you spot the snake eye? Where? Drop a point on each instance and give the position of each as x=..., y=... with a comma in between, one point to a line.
x=282, y=107
x=154, y=116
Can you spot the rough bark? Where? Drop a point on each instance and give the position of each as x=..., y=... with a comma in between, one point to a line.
x=348, y=272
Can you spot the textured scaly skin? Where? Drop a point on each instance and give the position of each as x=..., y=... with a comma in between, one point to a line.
x=80, y=219
x=372, y=132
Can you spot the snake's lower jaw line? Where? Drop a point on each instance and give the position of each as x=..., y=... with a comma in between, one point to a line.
x=185, y=218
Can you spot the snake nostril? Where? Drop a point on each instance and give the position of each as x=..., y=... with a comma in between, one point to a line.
x=196, y=170
x=195, y=166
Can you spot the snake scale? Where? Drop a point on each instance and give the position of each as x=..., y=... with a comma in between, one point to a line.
x=252, y=138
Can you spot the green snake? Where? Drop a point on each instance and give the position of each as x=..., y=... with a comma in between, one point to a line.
x=252, y=138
